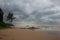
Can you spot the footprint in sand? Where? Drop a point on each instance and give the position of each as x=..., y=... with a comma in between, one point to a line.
x=1, y=37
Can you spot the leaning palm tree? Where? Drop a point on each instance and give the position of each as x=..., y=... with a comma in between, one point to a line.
x=10, y=17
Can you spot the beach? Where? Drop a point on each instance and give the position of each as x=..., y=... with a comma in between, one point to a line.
x=23, y=34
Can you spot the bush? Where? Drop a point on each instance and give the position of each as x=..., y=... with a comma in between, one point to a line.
x=2, y=25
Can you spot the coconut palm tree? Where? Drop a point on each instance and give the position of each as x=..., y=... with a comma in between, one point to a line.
x=10, y=17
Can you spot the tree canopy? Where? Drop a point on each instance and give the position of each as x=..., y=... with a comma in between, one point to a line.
x=1, y=15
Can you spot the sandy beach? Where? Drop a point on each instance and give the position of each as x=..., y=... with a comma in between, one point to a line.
x=22, y=34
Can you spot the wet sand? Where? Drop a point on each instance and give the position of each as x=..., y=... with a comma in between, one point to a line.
x=22, y=34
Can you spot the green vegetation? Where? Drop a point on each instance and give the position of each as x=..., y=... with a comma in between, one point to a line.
x=1, y=15
x=10, y=17
x=2, y=25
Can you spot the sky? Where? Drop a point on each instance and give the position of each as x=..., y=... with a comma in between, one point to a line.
x=36, y=11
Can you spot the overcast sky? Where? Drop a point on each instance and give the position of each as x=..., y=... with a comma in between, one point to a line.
x=37, y=11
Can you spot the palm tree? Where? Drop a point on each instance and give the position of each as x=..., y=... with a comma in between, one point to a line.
x=10, y=17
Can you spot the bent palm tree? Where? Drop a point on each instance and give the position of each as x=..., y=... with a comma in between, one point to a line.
x=10, y=17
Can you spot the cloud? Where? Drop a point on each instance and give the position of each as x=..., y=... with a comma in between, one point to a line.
x=38, y=11
x=56, y=2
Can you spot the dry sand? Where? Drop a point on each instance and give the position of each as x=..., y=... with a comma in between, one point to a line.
x=22, y=34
